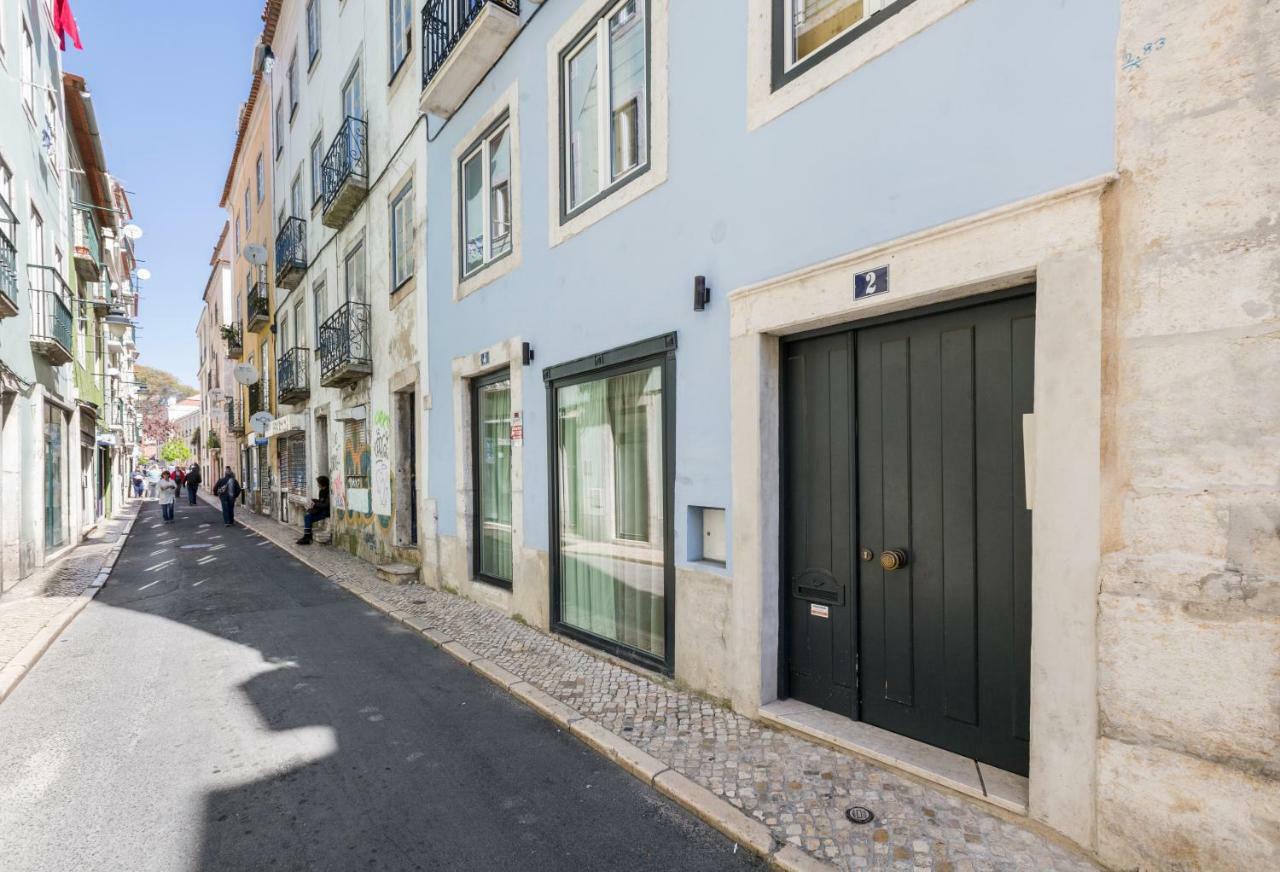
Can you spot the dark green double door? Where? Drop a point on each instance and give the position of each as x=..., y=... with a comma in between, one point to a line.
x=906, y=437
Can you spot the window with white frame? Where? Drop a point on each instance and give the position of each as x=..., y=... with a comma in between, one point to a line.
x=279, y=126
x=401, y=16
x=296, y=195
x=402, y=236
x=352, y=95
x=6, y=183
x=313, y=31
x=248, y=216
x=35, y=238
x=605, y=103
x=293, y=85
x=28, y=71
x=353, y=273
x=812, y=29
x=320, y=304
x=260, y=178
x=317, y=165
x=485, y=182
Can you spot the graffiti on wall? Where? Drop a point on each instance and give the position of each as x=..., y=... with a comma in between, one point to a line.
x=338, y=482
x=381, y=473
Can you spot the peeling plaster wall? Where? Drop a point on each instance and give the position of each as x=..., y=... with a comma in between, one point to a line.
x=1189, y=607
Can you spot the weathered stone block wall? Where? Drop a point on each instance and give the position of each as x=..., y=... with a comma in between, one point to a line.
x=1189, y=607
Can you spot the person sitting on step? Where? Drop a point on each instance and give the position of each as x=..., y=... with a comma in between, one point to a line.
x=317, y=511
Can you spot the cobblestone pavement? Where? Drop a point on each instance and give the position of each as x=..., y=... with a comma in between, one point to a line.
x=32, y=603
x=799, y=789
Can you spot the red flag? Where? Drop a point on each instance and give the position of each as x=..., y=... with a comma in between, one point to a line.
x=65, y=23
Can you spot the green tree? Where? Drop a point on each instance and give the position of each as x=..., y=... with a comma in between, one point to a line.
x=175, y=451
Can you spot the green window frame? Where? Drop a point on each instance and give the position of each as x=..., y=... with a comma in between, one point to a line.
x=491, y=453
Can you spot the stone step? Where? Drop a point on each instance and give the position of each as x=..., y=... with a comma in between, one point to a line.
x=398, y=573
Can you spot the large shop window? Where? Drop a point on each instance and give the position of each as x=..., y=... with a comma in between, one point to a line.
x=605, y=104
x=805, y=31
x=612, y=464
x=491, y=403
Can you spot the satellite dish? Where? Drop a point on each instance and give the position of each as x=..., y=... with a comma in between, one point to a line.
x=144, y=274
x=216, y=395
x=256, y=254
x=245, y=374
x=133, y=231
x=260, y=421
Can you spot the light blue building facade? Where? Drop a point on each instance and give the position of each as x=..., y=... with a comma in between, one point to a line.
x=617, y=289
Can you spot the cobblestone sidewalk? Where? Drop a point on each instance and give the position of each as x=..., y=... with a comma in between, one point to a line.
x=33, y=603
x=799, y=789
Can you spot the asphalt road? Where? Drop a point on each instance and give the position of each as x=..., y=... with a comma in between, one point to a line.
x=220, y=706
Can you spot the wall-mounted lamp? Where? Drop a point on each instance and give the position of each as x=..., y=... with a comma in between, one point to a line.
x=701, y=293
x=526, y=353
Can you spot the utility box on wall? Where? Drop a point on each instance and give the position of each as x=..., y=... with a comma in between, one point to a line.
x=707, y=536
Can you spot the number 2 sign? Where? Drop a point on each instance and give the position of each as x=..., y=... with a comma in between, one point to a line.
x=871, y=282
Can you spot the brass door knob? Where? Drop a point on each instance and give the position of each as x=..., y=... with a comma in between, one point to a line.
x=894, y=558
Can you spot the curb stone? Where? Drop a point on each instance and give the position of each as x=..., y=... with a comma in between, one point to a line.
x=718, y=813
x=25, y=660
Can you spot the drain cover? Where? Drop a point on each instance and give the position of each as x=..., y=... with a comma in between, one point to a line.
x=859, y=815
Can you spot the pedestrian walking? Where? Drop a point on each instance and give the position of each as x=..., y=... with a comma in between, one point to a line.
x=137, y=483
x=226, y=489
x=193, y=481
x=179, y=477
x=317, y=511
x=168, y=492
x=153, y=480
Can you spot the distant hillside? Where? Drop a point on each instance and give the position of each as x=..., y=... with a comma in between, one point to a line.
x=158, y=387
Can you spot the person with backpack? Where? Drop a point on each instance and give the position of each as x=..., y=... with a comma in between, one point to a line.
x=226, y=489
x=193, y=482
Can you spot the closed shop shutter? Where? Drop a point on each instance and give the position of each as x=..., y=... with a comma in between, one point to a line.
x=293, y=464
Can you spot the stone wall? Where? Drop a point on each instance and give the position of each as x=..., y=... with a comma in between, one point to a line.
x=1189, y=607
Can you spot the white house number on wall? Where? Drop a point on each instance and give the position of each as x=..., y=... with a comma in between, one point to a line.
x=871, y=282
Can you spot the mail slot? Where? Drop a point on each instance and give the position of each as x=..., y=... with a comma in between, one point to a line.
x=818, y=586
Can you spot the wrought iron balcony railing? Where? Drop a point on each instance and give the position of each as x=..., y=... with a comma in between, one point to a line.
x=293, y=375
x=345, y=354
x=345, y=173
x=235, y=415
x=88, y=249
x=50, y=314
x=446, y=24
x=234, y=337
x=8, y=275
x=258, y=305
x=291, y=253
x=257, y=400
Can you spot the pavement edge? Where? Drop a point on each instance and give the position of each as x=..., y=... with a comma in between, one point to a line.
x=718, y=813
x=25, y=660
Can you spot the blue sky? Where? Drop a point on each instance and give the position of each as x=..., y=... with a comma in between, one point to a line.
x=166, y=86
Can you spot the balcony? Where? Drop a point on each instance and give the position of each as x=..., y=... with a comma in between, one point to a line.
x=291, y=253
x=257, y=401
x=258, y=305
x=293, y=375
x=234, y=337
x=87, y=250
x=345, y=173
x=50, y=314
x=345, y=355
x=99, y=295
x=235, y=415
x=8, y=274
x=461, y=41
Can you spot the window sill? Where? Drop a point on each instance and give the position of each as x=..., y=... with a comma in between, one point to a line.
x=489, y=273
x=403, y=291
x=764, y=103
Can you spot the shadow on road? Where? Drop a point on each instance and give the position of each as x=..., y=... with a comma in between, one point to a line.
x=344, y=741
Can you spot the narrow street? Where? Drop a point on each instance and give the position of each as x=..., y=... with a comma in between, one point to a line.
x=220, y=706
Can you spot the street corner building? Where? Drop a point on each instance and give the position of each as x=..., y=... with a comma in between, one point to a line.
x=69, y=283
x=901, y=373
